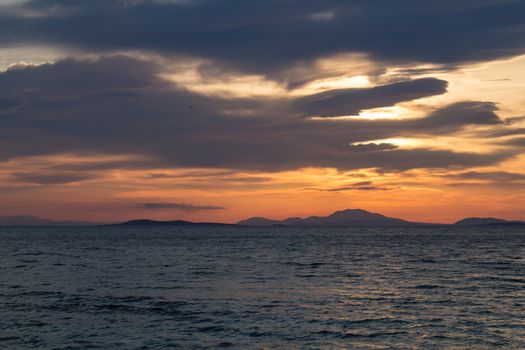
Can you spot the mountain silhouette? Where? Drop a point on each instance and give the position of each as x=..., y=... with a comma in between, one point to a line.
x=348, y=217
x=486, y=221
x=342, y=218
x=148, y=222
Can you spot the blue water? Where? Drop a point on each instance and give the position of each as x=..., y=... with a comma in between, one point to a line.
x=253, y=288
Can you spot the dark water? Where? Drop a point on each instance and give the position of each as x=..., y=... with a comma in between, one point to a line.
x=213, y=287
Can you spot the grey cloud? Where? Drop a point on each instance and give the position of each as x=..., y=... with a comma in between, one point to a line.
x=501, y=179
x=74, y=79
x=133, y=112
x=503, y=132
x=520, y=141
x=462, y=113
x=270, y=35
x=359, y=186
x=178, y=206
x=515, y=120
x=372, y=147
x=7, y=104
x=352, y=101
x=51, y=179
x=493, y=176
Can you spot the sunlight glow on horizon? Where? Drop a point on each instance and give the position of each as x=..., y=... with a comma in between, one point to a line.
x=108, y=186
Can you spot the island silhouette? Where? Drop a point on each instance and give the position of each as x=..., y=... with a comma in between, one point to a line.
x=342, y=218
x=363, y=218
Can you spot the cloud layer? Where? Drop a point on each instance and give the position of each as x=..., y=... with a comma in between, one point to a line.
x=108, y=103
x=120, y=105
x=268, y=36
x=178, y=206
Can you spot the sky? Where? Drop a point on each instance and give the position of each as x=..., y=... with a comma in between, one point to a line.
x=218, y=110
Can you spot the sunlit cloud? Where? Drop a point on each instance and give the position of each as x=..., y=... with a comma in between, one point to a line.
x=344, y=82
x=269, y=107
x=223, y=83
x=12, y=56
x=500, y=81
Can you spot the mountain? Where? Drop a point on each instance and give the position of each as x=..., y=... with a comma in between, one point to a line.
x=28, y=220
x=259, y=221
x=486, y=221
x=147, y=222
x=349, y=217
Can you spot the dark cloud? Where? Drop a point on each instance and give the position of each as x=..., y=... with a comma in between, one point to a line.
x=503, y=132
x=270, y=35
x=6, y=105
x=178, y=206
x=51, y=179
x=74, y=80
x=359, y=186
x=460, y=114
x=372, y=147
x=119, y=105
x=493, y=176
x=500, y=179
x=515, y=120
x=351, y=101
x=520, y=141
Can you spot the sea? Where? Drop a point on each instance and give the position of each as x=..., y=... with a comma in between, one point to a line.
x=212, y=287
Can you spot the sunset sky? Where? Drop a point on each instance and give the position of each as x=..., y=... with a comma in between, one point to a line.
x=218, y=110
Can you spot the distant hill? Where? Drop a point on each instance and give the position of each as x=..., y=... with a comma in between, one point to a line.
x=486, y=221
x=28, y=220
x=259, y=221
x=147, y=222
x=349, y=217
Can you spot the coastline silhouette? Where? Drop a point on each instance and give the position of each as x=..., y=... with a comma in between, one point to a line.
x=342, y=218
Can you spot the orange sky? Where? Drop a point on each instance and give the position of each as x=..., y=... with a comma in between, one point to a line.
x=95, y=133
x=422, y=195
x=431, y=195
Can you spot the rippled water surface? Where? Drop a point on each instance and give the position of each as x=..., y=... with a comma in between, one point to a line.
x=249, y=288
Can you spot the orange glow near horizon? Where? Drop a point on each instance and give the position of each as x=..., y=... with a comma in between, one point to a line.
x=115, y=195
x=109, y=188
